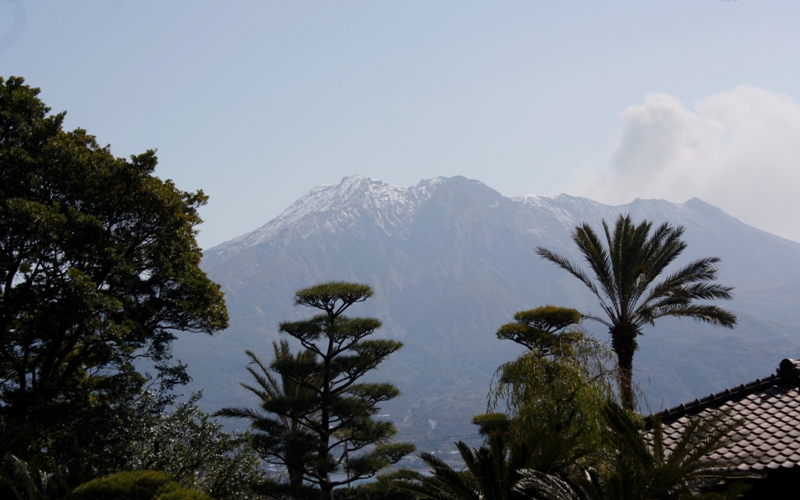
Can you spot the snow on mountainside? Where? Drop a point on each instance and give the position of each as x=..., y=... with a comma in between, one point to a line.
x=574, y=210
x=333, y=207
x=360, y=202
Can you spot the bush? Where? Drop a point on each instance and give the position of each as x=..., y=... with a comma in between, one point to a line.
x=136, y=485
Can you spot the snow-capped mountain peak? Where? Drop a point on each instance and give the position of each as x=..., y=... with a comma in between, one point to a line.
x=332, y=207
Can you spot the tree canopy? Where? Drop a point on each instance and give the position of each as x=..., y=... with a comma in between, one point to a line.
x=98, y=270
x=538, y=329
x=624, y=273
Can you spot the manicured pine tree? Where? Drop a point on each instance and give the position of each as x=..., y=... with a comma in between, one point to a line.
x=336, y=409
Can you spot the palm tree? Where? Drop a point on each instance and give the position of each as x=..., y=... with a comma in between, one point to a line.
x=281, y=440
x=623, y=279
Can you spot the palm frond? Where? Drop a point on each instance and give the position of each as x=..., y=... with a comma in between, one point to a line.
x=679, y=284
x=568, y=266
x=445, y=483
x=625, y=268
x=704, y=313
x=600, y=261
x=539, y=485
x=650, y=256
x=240, y=412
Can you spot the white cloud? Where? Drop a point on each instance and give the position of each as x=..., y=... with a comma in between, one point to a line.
x=738, y=150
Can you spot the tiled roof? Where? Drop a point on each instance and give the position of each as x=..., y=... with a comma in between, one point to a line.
x=770, y=408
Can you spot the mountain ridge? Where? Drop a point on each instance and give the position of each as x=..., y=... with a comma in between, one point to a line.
x=451, y=259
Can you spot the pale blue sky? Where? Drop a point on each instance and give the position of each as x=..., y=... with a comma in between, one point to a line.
x=258, y=102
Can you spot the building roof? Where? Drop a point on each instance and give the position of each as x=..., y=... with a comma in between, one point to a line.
x=770, y=408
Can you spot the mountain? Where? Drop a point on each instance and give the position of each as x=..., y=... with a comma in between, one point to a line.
x=451, y=260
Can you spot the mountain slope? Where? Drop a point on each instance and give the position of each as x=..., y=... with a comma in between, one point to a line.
x=451, y=260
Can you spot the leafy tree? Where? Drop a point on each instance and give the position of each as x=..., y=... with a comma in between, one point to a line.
x=560, y=383
x=623, y=278
x=331, y=405
x=196, y=452
x=283, y=441
x=542, y=391
x=98, y=270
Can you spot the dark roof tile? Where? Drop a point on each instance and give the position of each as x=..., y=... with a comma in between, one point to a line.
x=770, y=408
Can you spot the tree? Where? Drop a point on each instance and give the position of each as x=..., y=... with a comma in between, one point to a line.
x=559, y=384
x=283, y=441
x=623, y=280
x=196, y=452
x=549, y=396
x=98, y=270
x=331, y=405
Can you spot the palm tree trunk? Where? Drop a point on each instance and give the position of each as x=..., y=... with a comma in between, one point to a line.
x=623, y=343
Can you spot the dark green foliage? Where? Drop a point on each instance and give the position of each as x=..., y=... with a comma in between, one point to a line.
x=635, y=466
x=279, y=439
x=565, y=393
x=21, y=481
x=382, y=489
x=320, y=426
x=536, y=329
x=137, y=485
x=197, y=453
x=174, y=491
x=128, y=485
x=551, y=393
x=98, y=270
x=624, y=271
x=494, y=469
x=491, y=422
x=184, y=442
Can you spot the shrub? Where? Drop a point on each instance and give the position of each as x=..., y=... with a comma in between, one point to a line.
x=136, y=485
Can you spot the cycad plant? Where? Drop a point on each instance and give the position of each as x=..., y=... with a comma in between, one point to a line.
x=493, y=470
x=22, y=481
x=637, y=465
x=279, y=440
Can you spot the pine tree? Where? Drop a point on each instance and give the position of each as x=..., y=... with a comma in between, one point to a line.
x=337, y=409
